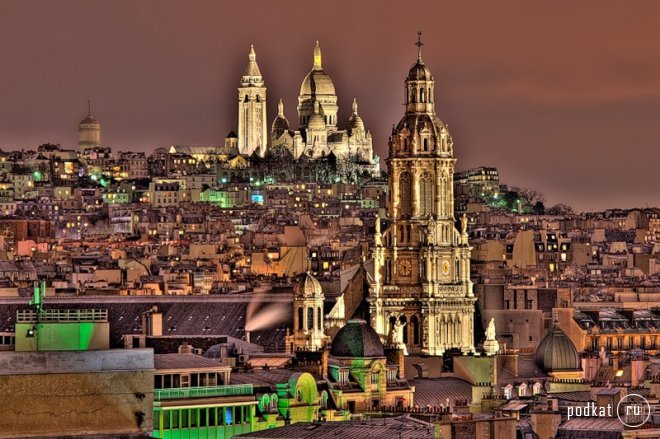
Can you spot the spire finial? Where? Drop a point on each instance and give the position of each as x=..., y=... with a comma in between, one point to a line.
x=419, y=45
x=89, y=107
x=355, y=107
x=317, y=57
x=253, y=55
x=280, y=108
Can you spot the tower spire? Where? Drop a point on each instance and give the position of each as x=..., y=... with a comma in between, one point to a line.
x=355, y=106
x=252, y=68
x=318, y=65
x=280, y=108
x=89, y=107
x=419, y=45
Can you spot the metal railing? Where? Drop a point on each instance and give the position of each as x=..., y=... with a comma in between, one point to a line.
x=203, y=392
x=63, y=315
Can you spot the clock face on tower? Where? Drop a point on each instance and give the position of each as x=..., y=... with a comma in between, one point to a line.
x=445, y=267
x=405, y=267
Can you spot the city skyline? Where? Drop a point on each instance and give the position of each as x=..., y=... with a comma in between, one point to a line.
x=309, y=220
x=503, y=98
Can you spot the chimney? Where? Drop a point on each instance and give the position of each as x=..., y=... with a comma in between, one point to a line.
x=401, y=363
x=152, y=322
x=554, y=404
x=422, y=370
x=395, y=356
x=324, y=361
x=185, y=348
x=509, y=362
x=247, y=336
x=637, y=368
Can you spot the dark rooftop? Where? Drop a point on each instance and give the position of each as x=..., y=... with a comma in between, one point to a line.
x=402, y=427
x=184, y=361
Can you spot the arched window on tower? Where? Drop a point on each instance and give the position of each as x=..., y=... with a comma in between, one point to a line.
x=414, y=95
x=422, y=95
x=300, y=318
x=426, y=144
x=310, y=318
x=414, y=322
x=319, y=317
x=405, y=192
x=426, y=194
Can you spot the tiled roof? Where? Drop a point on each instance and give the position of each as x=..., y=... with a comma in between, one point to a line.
x=184, y=361
x=435, y=391
x=262, y=377
x=597, y=428
x=577, y=396
x=402, y=427
x=185, y=317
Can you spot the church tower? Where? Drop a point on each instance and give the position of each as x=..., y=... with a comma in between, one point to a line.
x=308, y=334
x=422, y=276
x=252, y=134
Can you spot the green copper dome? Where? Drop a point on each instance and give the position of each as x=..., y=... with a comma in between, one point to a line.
x=357, y=339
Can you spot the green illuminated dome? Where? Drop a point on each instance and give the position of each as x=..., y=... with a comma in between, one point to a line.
x=557, y=352
x=357, y=339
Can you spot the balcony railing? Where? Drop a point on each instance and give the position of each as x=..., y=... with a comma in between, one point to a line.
x=203, y=392
x=63, y=315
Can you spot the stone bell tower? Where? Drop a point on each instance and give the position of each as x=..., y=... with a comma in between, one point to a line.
x=422, y=261
x=308, y=325
x=252, y=134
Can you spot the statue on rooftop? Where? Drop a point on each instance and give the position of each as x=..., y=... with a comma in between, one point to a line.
x=490, y=331
x=491, y=345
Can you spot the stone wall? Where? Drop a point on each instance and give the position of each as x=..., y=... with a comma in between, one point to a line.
x=71, y=393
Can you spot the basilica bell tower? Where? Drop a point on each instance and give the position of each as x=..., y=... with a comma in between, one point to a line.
x=252, y=134
x=423, y=293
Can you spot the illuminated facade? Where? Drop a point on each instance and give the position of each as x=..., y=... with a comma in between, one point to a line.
x=359, y=376
x=41, y=329
x=422, y=276
x=318, y=141
x=252, y=134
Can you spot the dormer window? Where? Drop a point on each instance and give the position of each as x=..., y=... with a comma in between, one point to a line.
x=508, y=391
x=343, y=376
